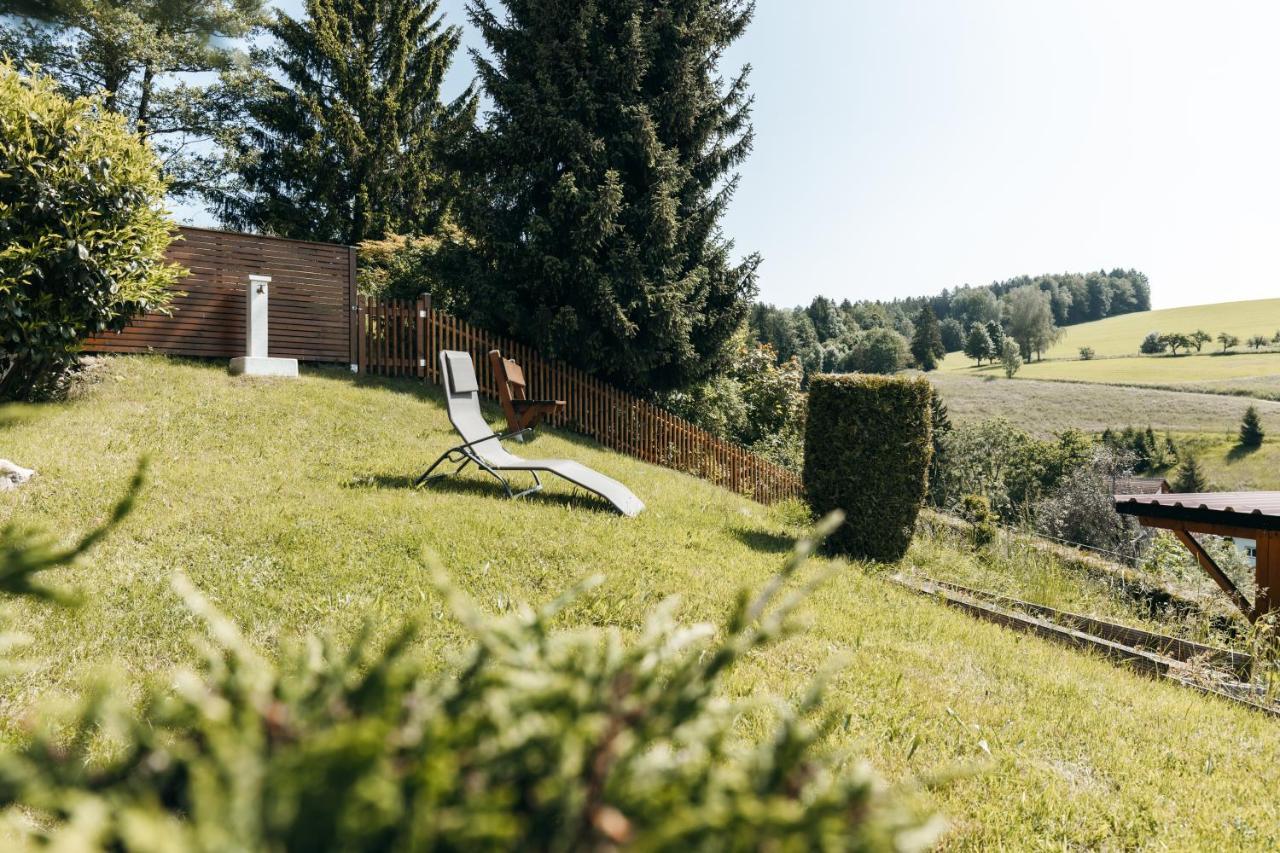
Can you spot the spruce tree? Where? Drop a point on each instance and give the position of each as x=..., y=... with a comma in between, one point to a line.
x=926, y=342
x=1251, y=431
x=596, y=191
x=347, y=131
x=978, y=345
x=153, y=61
x=1190, y=477
x=996, y=332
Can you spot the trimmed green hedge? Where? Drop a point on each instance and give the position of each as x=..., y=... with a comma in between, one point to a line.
x=867, y=449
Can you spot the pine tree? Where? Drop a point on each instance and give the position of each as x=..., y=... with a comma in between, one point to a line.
x=926, y=342
x=596, y=191
x=978, y=345
x=1190, y=477
x=153, y=61
x=347, y=133
x=1251, y=431
x=996, y=332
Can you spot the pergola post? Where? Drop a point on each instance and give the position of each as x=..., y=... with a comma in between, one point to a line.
x=1239, y=515
x=1267, y=572
x=1214, y=571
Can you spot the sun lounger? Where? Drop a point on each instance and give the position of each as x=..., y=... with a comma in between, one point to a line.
x=483, y=447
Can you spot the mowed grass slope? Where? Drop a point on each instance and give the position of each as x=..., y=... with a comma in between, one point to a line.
x=288, y=503
x=1046, y=408
x=1121, y=335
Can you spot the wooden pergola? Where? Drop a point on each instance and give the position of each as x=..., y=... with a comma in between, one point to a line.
x=1240, y=515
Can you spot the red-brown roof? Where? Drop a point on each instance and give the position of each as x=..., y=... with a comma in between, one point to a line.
x=1259, y=510
x=1140, y=485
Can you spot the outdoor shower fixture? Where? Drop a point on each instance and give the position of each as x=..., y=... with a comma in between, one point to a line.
x=256, y=362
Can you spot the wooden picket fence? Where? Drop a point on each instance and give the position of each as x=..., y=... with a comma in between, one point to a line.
x=403, y=338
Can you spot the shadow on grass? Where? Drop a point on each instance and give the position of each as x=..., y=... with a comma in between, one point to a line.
x=765, y=542
x=472, y=486
x=1240, y=451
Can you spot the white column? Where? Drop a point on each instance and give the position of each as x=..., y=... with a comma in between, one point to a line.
x=256, y=362
x=255, y=316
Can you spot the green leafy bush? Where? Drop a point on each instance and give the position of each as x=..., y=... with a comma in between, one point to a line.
x=1008, y=466
x=867, y=449
x=976, y=510
x=82, y=230
x=536, y=740
x=758, y=402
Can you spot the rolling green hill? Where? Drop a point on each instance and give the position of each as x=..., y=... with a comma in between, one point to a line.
x=1122, y=335
x=289, y=504
x=1115, y=342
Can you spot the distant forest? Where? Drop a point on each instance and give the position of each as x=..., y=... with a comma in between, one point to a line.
x=847, y=336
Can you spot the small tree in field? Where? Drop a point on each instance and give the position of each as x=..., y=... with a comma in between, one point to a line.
x=82, y=230
x=1228, y=341
x=1176, y=341
x=978, y=345
x=1190, y=477
x=1153, y=343
x=1011, y=359
x=1199, y=338
x=1087, y=353
x=1258, y=342
x=1251, y=431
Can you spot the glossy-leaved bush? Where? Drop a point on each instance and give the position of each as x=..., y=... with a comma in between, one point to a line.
x=82, y=230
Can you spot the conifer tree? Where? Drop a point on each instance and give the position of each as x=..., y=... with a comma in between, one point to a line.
x=995, y=331
x=1190, y=477
x=596, y=191
x=1251, y=431
x=926, y=342
x=978, y=345
x=347, y=131
x=151, y=60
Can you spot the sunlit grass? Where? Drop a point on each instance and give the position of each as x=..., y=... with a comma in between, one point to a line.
x=288, y=504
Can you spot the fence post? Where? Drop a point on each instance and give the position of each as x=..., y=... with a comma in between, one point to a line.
x=424, y=308
x=353, y=298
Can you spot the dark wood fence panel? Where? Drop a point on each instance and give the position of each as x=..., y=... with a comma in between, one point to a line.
x=311, y=307
x=403, y=339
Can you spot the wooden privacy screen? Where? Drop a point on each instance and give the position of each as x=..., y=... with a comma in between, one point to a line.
x=312, y=294
x=396, y=338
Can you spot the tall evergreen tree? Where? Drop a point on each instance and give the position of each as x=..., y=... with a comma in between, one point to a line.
x=596, y=191
x=1251, y=431
x=978, y=345
x=1190, y=477
x=347, y=131
x=141, y=55
x=926, y=343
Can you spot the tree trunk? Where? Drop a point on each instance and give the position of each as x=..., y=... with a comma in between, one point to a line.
x=144, y=99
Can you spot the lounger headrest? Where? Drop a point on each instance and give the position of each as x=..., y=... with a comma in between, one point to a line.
x=462, y=373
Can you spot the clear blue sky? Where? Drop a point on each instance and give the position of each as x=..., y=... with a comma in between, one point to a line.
x=904, y=146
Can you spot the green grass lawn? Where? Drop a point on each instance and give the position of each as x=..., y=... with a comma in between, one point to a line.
x=1122, y=335
x=289, y=504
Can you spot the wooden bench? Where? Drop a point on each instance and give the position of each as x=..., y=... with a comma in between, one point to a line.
x=522, y=413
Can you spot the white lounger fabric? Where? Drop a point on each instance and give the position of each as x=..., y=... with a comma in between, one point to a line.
x=463, y=401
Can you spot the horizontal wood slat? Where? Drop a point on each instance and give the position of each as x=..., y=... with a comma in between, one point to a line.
x=400, y=338
x=310, y=309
